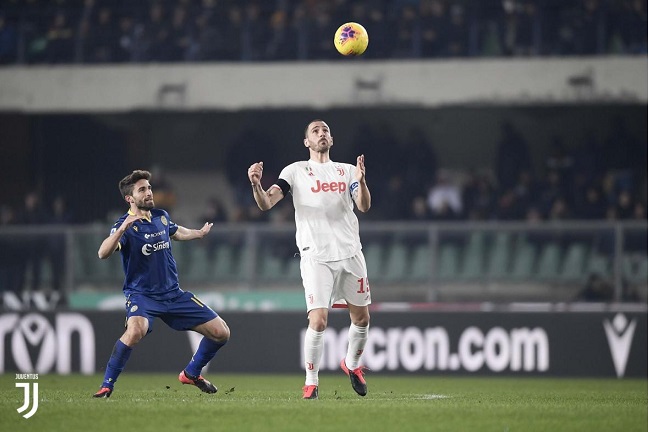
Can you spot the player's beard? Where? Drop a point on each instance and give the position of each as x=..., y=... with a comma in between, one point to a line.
x=145, y=205
x=320, y=146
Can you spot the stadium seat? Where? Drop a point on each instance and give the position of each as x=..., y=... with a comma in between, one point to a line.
x=548, y=262
x=473, y=256
x=200, y=268
x=421, y=263
x=498, y=258
x=574, y=263
x=373, y=253
x=598, y=264
x=223, y=263
x=448, y=262
x=523, y=259
x=396, y=265
x=635, y=268
x=271, y=267
x=293, y=271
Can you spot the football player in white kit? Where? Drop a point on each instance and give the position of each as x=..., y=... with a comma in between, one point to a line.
x=333, y=269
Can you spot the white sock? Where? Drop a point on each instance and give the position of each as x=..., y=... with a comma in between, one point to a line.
x=313, y=346
x=357, y=341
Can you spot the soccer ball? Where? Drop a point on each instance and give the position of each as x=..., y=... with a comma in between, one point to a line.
x=351, y=39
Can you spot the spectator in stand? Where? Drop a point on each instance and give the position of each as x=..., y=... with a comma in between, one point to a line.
x=419, y=210
x=512, y=157
x=405, y=29
x=444, y=199
x=60, y=42
x=281, y=43
x=624, y=208
x=8, y=41
x=319, y=36
x=255, y=32
x=561, y=161
x=559, y=210
x=380, y=32
x=125, y=39
x=479, y=197
x=590, y=205
x=421, y=164
x=630, y=23
x=394, y=204
x=434, y=28
x=458, y=32
x=102, y=41
x=550, y=191
x=179, y=41
x=596, y=289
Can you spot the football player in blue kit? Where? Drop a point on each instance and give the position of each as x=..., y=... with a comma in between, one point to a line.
x=143, y=236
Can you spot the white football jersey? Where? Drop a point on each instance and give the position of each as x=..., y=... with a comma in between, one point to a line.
x=327, y=227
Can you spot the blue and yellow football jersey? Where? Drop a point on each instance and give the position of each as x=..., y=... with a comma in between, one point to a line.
x=149, y=266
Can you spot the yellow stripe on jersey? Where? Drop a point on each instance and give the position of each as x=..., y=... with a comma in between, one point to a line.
x=195, y=300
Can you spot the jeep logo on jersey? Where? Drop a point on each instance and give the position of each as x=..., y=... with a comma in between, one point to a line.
x=147, y=249
x=329, y=187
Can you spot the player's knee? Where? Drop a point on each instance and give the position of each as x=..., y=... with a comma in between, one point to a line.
x=361, y=319
x=317, y=323
x=133, y=335
x=220, y=332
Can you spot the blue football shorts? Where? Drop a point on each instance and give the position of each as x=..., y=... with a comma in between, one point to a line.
x=181, y=313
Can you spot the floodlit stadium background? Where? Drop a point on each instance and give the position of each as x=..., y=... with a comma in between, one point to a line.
x=505, y=146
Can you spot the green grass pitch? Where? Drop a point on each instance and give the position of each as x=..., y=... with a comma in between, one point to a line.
x=400, y=403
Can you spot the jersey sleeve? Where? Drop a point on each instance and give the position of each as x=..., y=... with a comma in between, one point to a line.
x=123, y=239
x=173, y=227
x=287, y=175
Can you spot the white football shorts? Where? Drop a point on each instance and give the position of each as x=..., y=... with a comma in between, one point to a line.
x=331, y=282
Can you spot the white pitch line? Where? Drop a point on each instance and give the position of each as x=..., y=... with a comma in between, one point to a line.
x=431, y=396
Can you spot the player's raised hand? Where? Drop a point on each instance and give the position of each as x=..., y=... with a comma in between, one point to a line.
x=205, y=229
x=128, y=222
x=255, y=172
x=360, y=168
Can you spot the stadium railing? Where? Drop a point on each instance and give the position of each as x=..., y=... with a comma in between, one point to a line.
x=492, y=261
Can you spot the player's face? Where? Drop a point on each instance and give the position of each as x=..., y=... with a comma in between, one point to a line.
x=142, y=195
x=319, y=137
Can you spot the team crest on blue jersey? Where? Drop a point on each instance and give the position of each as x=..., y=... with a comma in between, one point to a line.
x=164, y=220
x=135, y=228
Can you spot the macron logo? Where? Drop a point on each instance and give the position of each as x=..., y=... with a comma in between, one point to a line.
x=619, y=336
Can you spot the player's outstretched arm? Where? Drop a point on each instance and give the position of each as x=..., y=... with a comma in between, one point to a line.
x=183, y=234
x=264, y=199
x=363, y=198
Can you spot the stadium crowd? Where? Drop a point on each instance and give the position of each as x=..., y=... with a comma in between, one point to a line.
x=120, y=31
x=601, y=178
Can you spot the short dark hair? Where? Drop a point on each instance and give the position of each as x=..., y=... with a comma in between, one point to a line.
x=310, y=123
x=127, y=184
